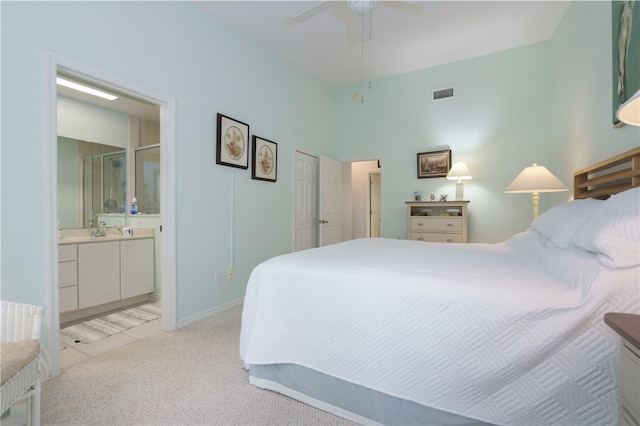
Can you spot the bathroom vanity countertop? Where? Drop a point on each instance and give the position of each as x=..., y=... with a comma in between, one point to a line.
x=76, y=236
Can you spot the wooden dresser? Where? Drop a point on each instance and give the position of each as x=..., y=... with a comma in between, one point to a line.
x=437, y=221
x=628, y=326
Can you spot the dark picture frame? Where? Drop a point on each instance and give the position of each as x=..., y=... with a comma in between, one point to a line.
x=232, y=142
x=625, y=47
x=434, y=164
x=265, y=159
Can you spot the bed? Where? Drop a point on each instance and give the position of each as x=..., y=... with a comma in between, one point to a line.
x=385, y=331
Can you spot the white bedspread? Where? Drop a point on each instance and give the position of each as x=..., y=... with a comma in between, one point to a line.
x=508, y=333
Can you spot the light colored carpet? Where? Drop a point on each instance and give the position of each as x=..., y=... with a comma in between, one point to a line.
x=108, y=325
x=192, y=376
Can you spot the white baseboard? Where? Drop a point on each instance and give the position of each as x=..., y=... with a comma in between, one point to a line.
x=210, y=312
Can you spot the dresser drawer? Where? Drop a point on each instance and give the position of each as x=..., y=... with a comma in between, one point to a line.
x=630, y=381
x=436, y=224
x=67, y=252
x=433, y=237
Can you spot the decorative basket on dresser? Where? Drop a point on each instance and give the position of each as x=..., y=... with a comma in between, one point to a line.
x=437, y=221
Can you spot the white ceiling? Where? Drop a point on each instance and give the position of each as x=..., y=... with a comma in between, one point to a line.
x=328, y=44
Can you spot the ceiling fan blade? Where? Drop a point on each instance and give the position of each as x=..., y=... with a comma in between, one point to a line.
x=309, y=12
x=404, y=6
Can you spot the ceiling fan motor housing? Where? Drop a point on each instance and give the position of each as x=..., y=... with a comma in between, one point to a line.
x=362, y=7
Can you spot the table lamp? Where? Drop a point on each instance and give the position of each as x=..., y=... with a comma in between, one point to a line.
x=629, y=112
x=535, y=179
x=459, y=172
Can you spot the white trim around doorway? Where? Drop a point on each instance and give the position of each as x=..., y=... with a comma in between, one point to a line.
x=53, y=64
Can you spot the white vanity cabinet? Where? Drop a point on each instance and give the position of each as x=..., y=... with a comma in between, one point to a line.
x=98, y=273
x=68, y=277
x=136, y=267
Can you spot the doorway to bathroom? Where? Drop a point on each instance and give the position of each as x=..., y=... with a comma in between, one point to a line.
x=155, y=145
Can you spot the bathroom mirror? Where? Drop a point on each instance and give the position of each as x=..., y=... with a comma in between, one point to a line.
x=92, y=183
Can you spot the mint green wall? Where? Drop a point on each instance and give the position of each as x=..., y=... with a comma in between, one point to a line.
x=497, y=123
x=581, y=107
x=69, y=184
x=176, y=49
x=548, y=103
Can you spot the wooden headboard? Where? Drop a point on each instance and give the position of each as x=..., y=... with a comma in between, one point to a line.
x=608, y=177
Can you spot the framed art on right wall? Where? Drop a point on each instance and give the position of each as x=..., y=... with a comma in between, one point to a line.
x=625, y=37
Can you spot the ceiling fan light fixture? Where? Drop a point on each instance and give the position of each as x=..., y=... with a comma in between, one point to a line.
x=362, y=7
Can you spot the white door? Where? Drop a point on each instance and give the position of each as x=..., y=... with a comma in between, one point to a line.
x=330, y=201
x=306, y=202
x=374, y=194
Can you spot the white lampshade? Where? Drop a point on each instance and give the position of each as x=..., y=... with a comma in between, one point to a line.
x=459, y=172
x=629, y=112
x=535, y=179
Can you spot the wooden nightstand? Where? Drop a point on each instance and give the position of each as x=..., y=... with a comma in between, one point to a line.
x=628, y=326
x=437, y=221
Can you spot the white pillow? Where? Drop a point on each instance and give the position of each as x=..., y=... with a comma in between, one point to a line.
x=558, y=224
x=613, y=231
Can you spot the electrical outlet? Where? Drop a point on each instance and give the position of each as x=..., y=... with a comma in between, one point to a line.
x=230, y=273
x=218, y=277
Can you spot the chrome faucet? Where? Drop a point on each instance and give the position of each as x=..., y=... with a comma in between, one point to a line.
x=97, y=233
x=100, y=232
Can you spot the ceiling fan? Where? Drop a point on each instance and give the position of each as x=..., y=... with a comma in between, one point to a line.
x=352, y=13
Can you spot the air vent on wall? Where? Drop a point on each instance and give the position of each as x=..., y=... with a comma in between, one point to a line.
x=440, y=94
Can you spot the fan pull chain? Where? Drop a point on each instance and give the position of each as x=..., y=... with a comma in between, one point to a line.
x=362, y=53
x=370, y=41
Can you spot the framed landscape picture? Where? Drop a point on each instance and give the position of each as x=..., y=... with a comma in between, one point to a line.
x=265, y=159
x=232, y=144
x=434, y=163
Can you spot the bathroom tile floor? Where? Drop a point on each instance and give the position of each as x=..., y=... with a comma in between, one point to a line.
x=72, y=353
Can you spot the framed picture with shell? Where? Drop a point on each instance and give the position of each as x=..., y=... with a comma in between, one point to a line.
x=265, y=159
x=232, y=143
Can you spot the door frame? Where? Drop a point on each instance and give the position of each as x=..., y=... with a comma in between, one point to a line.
x=53, y=64
x=368, y=204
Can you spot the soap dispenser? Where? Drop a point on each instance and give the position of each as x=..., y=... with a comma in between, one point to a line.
x=134, y=206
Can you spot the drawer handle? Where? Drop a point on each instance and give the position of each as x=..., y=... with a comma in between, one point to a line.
x=420, y=239
x=449, y=240
x=420, y=224
x=449, y=224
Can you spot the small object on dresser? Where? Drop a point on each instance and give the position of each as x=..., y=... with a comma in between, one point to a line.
x=443, y=197
x=134, y=206
x=417, y=195
x=432, y=197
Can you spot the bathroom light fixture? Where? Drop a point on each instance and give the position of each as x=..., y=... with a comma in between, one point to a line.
x=85, y=89
x=459, y=172
x=629, y=112
x=535, y=179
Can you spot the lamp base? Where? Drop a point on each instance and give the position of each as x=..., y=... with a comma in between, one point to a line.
x=459, y=191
